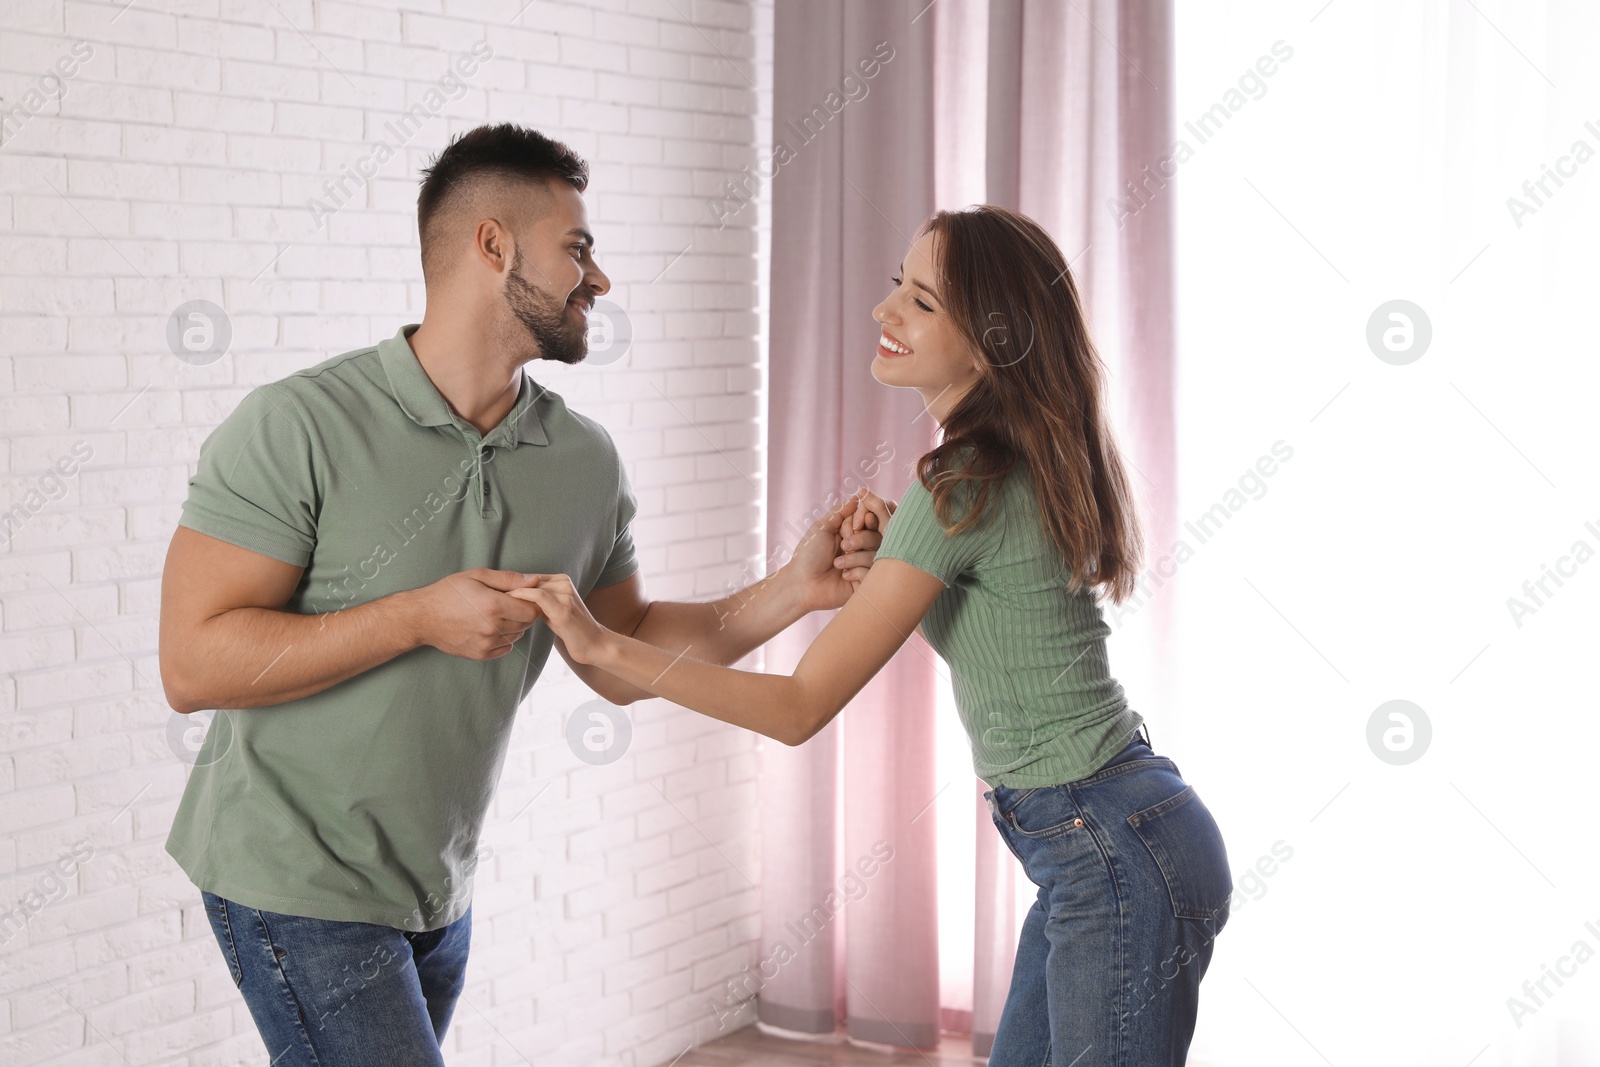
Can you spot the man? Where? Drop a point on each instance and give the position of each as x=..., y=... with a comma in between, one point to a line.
x=339, y=584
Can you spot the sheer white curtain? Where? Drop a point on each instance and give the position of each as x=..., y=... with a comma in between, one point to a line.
x=1444, y=911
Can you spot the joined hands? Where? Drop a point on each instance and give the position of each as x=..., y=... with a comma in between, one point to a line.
x=829, y=563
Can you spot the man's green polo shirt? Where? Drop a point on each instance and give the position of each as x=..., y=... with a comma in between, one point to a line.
x=364, y=802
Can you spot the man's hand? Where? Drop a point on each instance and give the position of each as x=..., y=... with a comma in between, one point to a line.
x=827, y=568
x=471, y=615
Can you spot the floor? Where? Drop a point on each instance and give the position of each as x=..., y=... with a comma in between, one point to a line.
x=750, y=1046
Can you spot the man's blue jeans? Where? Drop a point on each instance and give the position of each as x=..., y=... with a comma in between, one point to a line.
x=343, y=994
x=1133, y=888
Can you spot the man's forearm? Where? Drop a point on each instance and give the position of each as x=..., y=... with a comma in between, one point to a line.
x=252, y=657
x=725, y=631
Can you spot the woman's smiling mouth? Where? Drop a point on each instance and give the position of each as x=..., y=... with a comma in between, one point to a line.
x=890, y=346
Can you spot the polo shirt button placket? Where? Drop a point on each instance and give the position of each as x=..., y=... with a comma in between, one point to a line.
x=475, y=447
x=483, y=481
x=489, y=509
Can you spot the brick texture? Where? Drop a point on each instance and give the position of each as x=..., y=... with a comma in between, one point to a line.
x=165, y=152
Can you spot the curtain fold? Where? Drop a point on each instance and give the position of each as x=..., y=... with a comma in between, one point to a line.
x=1046, y=107
x=845, y=205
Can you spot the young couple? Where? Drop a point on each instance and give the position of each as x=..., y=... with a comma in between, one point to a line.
x=368, y=545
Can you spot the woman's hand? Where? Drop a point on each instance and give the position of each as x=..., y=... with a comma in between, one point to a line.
x=567, y=615
x=823, y=584
x=863, y=529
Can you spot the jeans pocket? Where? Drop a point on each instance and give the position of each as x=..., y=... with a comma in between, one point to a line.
x=1003, y=830
x=1187, y=846
x=1046, y=811
x=217, y=913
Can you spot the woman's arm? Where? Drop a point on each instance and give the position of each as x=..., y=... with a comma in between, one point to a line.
x=791, y=708
x=824, y=569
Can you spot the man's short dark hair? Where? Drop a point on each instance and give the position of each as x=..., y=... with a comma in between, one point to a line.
x=505, y=151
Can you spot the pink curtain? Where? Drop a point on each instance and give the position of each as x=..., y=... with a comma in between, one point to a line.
x=844, y=208
x=1045, y=106
x=1079, y=133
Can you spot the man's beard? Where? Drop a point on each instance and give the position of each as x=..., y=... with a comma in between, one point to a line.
x=545, y=317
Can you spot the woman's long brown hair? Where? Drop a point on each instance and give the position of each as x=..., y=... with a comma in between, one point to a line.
x=1037, y=398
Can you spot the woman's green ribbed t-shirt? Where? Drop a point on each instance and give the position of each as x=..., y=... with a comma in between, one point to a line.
x=1027, y=658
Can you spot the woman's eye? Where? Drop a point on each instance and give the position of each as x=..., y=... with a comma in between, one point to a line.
x=896, y=279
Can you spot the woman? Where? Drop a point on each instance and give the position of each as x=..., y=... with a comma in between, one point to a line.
x=1017, y=518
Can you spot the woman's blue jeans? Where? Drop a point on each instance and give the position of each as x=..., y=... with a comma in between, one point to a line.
x=1133, y=889
x=343, y=994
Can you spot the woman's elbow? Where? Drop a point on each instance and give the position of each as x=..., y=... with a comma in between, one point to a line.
x=810, y=724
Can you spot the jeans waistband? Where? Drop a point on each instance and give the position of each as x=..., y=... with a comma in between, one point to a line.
x=1137, y=746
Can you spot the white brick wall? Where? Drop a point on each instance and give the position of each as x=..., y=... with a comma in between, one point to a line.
x=169, y=158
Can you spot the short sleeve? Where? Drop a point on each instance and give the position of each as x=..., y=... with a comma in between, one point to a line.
x=621, y=563
x=915, y=536
x=255, y=483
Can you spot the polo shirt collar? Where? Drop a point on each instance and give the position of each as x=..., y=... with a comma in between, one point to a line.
x=419, y=398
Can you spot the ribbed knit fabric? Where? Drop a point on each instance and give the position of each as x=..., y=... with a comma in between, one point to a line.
x=1028, y=659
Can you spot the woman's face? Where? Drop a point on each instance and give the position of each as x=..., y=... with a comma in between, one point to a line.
x=920, y=347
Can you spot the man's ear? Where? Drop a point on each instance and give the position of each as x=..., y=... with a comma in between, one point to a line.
x=494, y=246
